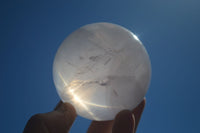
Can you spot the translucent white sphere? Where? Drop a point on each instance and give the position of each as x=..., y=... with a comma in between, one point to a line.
x=101, y=69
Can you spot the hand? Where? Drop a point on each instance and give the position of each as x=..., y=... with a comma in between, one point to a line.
x=61, y=119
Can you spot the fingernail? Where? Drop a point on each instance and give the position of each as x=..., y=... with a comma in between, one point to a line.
x=124, y=122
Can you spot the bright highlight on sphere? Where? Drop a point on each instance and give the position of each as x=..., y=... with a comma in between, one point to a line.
x=101, y=69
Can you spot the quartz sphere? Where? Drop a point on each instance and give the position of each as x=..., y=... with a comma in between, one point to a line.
x=101, y=69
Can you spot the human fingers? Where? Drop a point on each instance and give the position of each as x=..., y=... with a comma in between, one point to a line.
x=124, y=122
x=137, y=112
x=58, y=121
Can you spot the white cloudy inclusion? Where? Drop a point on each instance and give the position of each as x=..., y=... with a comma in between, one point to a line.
x=101, y=69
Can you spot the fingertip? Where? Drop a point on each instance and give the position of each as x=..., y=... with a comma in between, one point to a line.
x=140, y=107
x=138, y=112
x=65, y=108
x=124, y=122
x=144, y=101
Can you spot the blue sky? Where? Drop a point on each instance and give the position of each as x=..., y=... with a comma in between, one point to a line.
x=31, y=32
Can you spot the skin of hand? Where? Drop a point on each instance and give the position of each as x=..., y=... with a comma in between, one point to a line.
x=61, y=119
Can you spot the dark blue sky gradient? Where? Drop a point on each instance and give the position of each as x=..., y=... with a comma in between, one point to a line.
x=31, y=32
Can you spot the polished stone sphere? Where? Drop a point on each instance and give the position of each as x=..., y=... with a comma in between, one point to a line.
x=101, y=69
